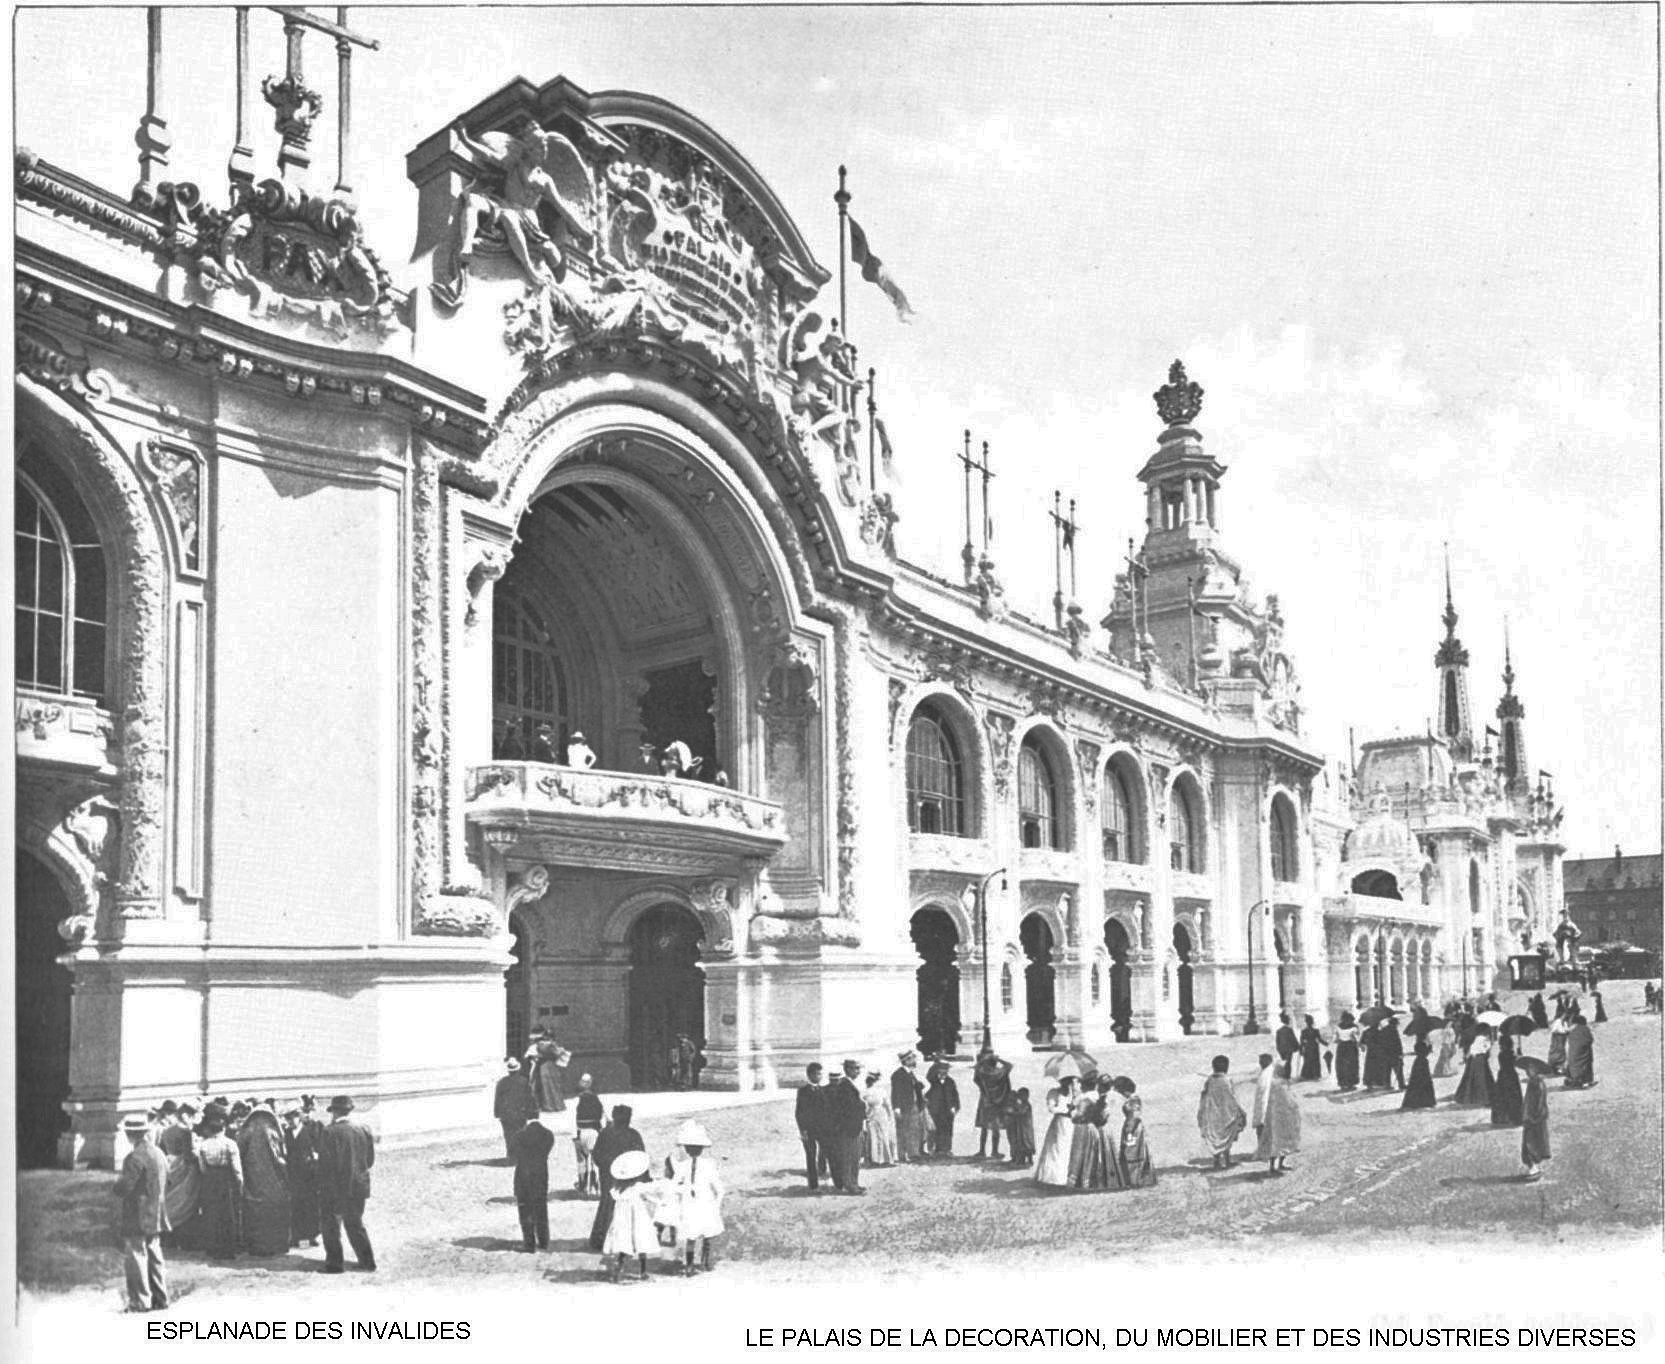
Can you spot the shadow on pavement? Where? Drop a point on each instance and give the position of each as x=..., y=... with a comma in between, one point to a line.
x=496, y=1163
x=1468, y=1181
x=487, y=1243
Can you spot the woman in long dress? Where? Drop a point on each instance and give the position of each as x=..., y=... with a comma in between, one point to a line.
x=184, y=1185
x=1084, y=1139
x=1377, y=1070
x=1558, y=1031
x=265, y=1184
x=305, y=1217
x=1506, y=1090
x=1474, y=1090
x=1581, y=1053
x=878, y=1133
x=1312, y=1043
x=1137, y=1169
x=221, y=1203
x=1052, y=1166
x=1347, y=1053
x=1419, y=1090
x=1445, y=1063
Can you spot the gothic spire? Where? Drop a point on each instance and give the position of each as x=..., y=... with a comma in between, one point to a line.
x=1511, y=720
x=1452, y=661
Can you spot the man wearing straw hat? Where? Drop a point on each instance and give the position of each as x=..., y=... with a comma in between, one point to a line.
x=144, y=1217
x=346, y=1151
x=512, y=1104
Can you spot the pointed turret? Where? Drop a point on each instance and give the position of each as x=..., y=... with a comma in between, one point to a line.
x=1511, y=715
x=1452, y=661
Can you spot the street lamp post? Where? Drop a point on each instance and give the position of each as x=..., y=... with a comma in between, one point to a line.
x=977, y=902
x=1252, y=1024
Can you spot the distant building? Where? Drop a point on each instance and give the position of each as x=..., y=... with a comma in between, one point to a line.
x=1616, y=899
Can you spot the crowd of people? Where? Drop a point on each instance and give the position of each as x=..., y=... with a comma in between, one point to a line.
x=236, y=1179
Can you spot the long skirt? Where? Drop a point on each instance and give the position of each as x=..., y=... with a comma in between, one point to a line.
x=1376, y=1072
x=1137, y=1168
x=1474, y=1090
x=265, y=1219
x=1419, y=1092
x=1347, y=1065
x=1053, y=1165
x=878, y=1138
x=218, y=1213
x=183, y=1190
x=1534, y=1142
x=1082, y=1141
x=1557, y=1050
x=1445, y=1064
x=1506, y=1097
x=1312, y=1062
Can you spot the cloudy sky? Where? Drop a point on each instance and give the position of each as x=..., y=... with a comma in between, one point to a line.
x=1410, y=252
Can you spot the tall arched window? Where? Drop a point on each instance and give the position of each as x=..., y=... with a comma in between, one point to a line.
x=1185, y=846
x=1119, y=815
x=936, y=777
x=528, y=686
x=61, y=614
x=1038, y=823
x=1286, y=856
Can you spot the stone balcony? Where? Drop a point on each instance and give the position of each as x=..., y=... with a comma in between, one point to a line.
x=69, y=733
x=619, y=821
x=1380, y=909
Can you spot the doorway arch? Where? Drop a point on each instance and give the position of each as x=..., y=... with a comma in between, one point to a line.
x=666, y=993
x=42, y=996
x=1120, y=948
x=937, y=941
x=1184, y=949
x=1040, y=1002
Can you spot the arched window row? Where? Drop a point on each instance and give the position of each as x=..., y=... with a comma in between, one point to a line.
x=936, y=776
x=1040, y=807
x=1286, y=848
x=1187, y=829
x=61, y=612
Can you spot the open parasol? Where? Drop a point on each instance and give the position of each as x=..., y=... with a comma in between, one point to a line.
x=1533, y=1065
x=1422, y=1026
x=1072, y=1061
x=1492, y=1018
x=1518, y=1025
x=1375, y=1014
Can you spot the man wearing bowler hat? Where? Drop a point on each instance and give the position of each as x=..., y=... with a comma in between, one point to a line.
x=144, y=1217
x=346, y=1151
x=845, y=1115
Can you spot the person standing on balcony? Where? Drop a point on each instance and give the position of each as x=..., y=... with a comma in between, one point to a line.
x=579, y=753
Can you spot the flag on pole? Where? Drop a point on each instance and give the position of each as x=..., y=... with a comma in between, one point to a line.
x=874, y=272
x=884, y=440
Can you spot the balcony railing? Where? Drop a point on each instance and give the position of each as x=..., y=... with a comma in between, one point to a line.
x=64, y=731
x=619, y=820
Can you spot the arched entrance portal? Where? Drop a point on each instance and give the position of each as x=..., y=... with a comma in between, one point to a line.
x=1121, y=978
x=517, y=989
x=1041, y=1010
x=667, y=995
x=42, y=1014
x=1187, y=999
x=936, y=939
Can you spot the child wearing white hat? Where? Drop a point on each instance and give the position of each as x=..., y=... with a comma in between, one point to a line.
x=694, y=1207
x=631, y=1231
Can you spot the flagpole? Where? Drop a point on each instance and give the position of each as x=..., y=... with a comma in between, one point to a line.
x=968, y=555
x=1074, y=531
x=842, y=199
x=987, y=474
x=1057, y=559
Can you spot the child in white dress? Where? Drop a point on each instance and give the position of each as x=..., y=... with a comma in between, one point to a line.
x=631, y=1231
x=695, y=1202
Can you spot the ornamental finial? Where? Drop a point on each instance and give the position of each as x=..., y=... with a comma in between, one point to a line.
x=1179, y=400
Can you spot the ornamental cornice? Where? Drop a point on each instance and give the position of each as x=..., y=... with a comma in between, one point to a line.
x=198, y=341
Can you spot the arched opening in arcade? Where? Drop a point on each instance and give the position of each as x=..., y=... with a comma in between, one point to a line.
x=1185, y=949
x=938, y=1015
x=667, y=998
x=42, y=1014
x=651, y=745
x=1120, y=948
x=1040, y=1003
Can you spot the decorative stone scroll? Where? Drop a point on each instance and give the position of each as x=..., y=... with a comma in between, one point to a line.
x=180, y=477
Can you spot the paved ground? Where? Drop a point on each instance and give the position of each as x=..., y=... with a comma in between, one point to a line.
x=1368, y=1176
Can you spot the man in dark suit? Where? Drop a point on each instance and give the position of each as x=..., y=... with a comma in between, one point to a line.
x=144, y=1217
x=346, y=1151
x=615, y=1139
x=1285, y=1043
x=530, y=1148
x=845, y=1115
x=512, y=1104
x=812, y=1126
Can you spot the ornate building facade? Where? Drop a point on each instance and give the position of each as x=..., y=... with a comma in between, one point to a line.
x=410, y=666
